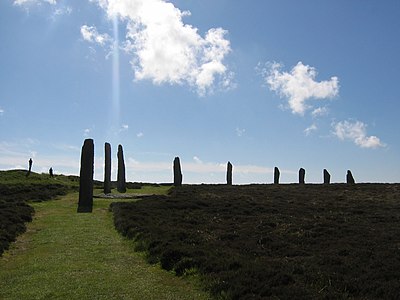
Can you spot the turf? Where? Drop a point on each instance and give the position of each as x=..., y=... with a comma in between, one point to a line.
x=274, y=241
x=66, y=255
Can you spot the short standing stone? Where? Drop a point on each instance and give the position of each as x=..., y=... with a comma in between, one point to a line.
x=277, y=174
x=229, y=173
x=107, y=168
x=327, y=177
x=121, y=179
x=302, y=176
x=177, y=172
x=30, y=167
x=350, y=178
x=86, y=177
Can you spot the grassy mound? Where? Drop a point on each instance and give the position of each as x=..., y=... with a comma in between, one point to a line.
x=16, y=189
x=267, y=241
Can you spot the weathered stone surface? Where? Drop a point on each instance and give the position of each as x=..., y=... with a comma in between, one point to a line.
x=350, y=178
x=327, y=177
x=302, y=176
x=107, y=168
x=30, y=167
x=229, y=168
x=121, y=179
x=177, y=172
x=85, y=203
x=277, y=174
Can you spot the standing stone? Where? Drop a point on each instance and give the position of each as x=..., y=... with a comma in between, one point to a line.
x=177, y=172
x=121, y=180
x=277, y=174
x=302, y=176
x=107, y=168
x=86, y=177
x=350, y=178
x=229, y=173
x=327, y=177
x=30, y=167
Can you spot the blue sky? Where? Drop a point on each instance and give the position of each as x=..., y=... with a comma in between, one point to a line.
x=261, y=83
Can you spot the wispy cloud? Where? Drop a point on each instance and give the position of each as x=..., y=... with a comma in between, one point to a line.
x=166, y=50
x=356, y=131
x=62, y=11
x=197, y=160
x=310, y=129
x=319, y=112
x=29, y=2
x=1, y=111
x=123, y=128
x=139, y=134
x=90, y=34
x=240, y=132
x=86, y=132
x=196, y=166
x=299, y=85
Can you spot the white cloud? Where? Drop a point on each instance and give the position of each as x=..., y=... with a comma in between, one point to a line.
x=240, y=132
x=86, y=132
x=28, y=2
x=90, y=34
x=62, y=11
x=197, y=160
x=1, y=111
x=320, y=111
x=139, y=134
x=166, y=50
x=299, y=85
x=310, y=129
x=124, y=127
x=356, y=132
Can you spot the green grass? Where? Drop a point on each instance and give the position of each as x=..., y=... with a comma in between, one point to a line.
x=144, y=190
x=66, y=255
x=18, y=177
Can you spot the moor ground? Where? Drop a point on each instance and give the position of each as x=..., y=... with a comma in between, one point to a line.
x=274, y=241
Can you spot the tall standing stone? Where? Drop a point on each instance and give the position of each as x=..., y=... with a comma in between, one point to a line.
x=229, y=173
x=107, y=168
x=302, y=176
x=177, y=172
x=86, y=177
x=350, y=178
x=121, y=180
x=327, y=177
x=277, y=174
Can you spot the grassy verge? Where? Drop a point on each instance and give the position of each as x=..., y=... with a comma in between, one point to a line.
x=65, y=255
x=16, y=189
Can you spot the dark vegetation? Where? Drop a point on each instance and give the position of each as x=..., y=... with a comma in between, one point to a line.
x=17, y=190
x=274, y=241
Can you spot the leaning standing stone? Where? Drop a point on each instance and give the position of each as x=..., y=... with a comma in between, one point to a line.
x=229, y=173
x=107, y=168
x=86, y=177
x=121, y=180
x=177, y=172
x=350, y=178
x=327, y=177
x=277, y=174
x=302, y=176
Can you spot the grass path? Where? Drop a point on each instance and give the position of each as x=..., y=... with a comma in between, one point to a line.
x=65, y=255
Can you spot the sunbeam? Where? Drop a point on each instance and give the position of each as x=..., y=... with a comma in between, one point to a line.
x=115, y=77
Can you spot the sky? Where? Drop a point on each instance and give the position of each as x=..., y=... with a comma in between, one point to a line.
x=265, y=83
